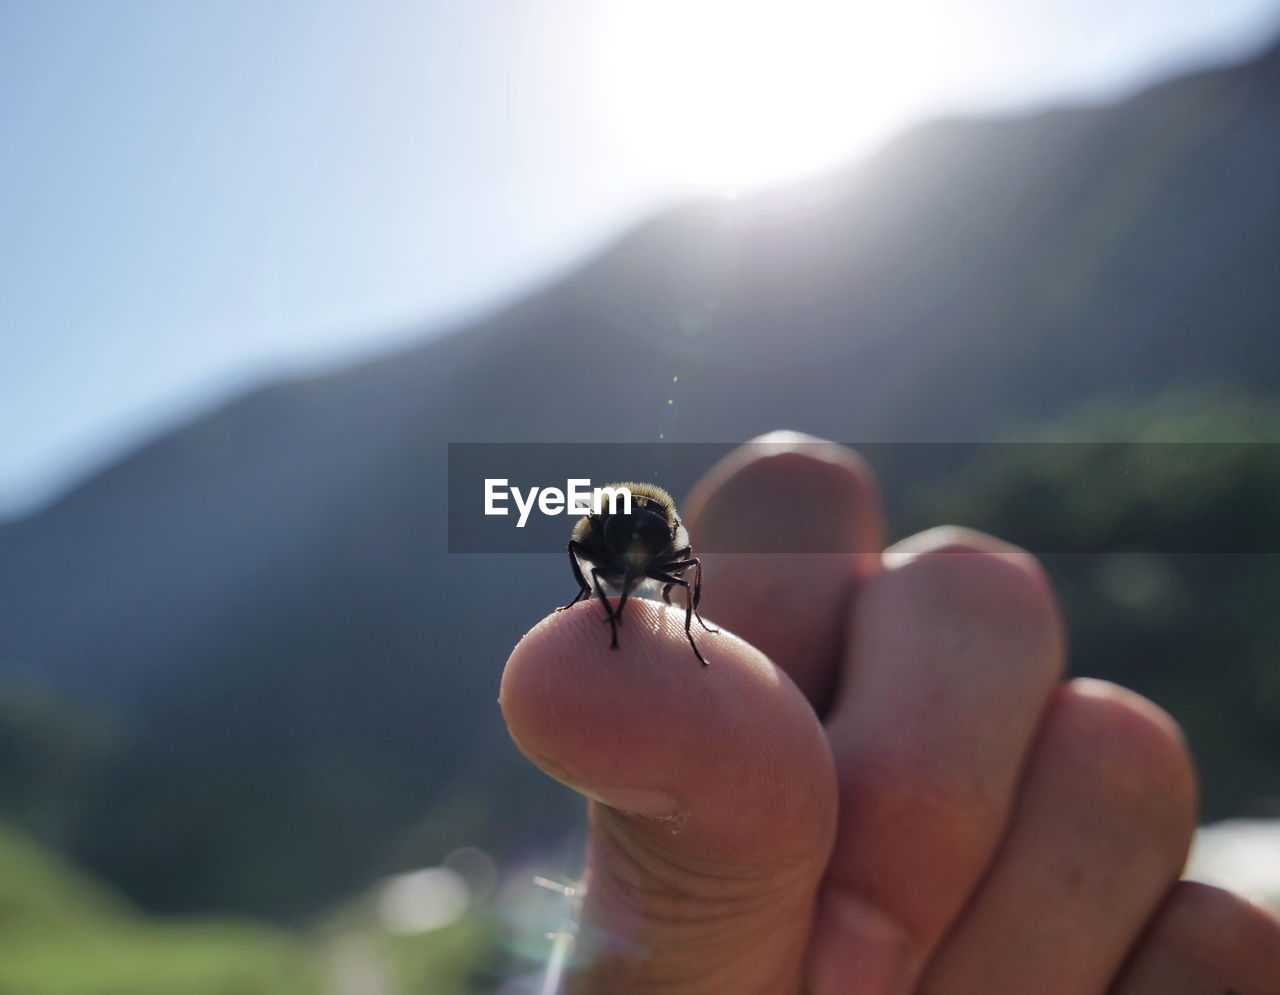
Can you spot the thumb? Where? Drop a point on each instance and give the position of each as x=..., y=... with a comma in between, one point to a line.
x=713, y=799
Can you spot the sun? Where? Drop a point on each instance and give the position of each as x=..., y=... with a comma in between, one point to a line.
x=721, y=94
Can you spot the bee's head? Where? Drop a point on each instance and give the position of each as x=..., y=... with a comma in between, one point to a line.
x=637, y=538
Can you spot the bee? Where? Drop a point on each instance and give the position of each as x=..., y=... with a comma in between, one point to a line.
x=625, y=552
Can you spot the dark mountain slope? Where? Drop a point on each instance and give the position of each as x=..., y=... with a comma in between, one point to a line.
x=265, y=591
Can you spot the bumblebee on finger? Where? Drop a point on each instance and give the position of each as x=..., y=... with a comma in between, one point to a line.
x=622, y=551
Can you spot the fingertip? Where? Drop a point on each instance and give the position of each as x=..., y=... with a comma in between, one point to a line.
x=958, y=571
x=563, y=676
x=786, y=492
x=569, y=653
x=789, y=526
x=730, y=742
x=943, y=539
x=1140, y=751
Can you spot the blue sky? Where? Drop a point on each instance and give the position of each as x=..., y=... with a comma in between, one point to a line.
x=199, y=194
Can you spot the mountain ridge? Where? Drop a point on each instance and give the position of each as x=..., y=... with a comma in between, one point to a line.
x=266, y=589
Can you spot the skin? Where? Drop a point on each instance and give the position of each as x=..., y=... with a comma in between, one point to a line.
x=881, y=785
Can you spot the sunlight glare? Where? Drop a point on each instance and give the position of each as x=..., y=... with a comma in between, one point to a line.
x=723, y=94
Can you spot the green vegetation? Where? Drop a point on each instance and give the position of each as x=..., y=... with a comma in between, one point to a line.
x=51, y=749
x=63, y=934
x=455, y=960
x=1166, y=559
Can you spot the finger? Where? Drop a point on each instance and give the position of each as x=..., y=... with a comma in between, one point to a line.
x=714, y=798
x=1205, y=941
x=956, y=646
x=1100, y=833
x=802, y=519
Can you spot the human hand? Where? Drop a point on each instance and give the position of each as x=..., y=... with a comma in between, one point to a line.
x=880, y=785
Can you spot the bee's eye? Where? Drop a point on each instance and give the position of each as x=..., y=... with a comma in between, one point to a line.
x=617, y=531
x=644, y=526
x=650, y=528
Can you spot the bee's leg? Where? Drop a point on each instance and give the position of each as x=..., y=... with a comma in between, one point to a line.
x=584, y=593
x=611, y=616
x=584, y=590
x=666, y=593
x=627, y=584
x=697, y=593
x=688, y=611
x=678, y=565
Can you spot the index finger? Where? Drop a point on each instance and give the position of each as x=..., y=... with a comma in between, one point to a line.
x=805, y=514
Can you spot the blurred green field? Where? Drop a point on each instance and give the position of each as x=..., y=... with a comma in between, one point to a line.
x=63, y=933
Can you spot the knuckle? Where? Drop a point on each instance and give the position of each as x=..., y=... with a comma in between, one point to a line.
x=672, y=888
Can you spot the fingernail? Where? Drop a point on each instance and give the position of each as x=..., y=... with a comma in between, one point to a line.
x=857, y=950
x=638, y=801
x=951, y=537
x=784, y=440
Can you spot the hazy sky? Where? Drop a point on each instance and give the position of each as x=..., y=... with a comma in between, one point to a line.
x=196, y=193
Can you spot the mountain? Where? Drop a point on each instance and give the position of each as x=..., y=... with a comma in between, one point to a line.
x=263, y=600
